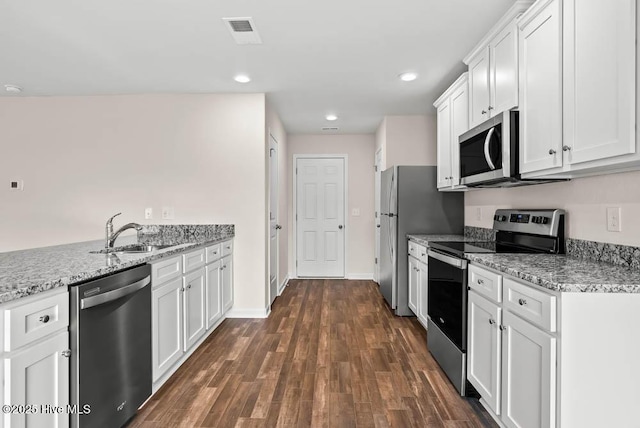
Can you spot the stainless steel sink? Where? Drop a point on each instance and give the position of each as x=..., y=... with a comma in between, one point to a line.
x=134, y=248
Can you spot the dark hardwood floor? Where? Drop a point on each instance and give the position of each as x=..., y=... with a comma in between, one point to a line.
x=331, y=354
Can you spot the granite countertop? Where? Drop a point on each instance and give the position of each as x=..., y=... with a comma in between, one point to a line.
x=27, y=272
x=563, y=273
x=424, y=239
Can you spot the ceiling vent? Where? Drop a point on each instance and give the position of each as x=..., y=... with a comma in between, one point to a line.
x=329, y=128
x=243, y=31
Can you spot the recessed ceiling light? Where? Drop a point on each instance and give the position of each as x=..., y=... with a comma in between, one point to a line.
x=242, y=78
x=13, y=89
x=408, y=76
x=331, y=117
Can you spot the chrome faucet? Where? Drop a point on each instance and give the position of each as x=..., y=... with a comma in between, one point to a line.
x=110, y=235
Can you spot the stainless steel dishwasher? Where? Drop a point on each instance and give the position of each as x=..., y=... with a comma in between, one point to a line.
x=111, y=348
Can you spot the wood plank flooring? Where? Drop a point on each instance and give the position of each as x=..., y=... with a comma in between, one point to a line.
x=331, y=354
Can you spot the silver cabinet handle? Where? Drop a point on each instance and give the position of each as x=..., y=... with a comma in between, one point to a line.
x=502, y=328
x=66, y=353
x=566, y=148
x=522, y=302
x=487, y=155
x=492, y=321
x=552, y=152
x=480, y=281
x=44, y=319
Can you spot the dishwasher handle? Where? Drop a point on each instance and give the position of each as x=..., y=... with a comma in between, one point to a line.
x=110, y=296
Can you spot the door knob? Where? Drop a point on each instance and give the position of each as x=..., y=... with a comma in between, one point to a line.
x=339, y=226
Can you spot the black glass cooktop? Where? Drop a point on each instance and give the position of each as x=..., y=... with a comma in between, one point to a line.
x=459, y=248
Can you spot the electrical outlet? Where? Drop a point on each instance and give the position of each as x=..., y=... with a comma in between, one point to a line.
x=478, y=213
x=355, y=212
x=614, y=217
x=148, y=213
x=167, y=213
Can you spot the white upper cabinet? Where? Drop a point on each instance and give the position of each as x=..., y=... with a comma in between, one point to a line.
x=599, y=79
x=493, y=68
x=453, y=120
x=578, y=88
x=541, y=87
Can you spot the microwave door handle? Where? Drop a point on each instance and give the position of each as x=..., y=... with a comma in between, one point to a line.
x=487, y=155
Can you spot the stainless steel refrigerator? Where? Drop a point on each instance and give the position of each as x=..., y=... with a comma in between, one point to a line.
x=411, y=203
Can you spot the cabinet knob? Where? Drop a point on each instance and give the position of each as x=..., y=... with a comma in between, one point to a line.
x=224, y=267
x=44, y=319
x=566, y=148
x=502, y=328
x=483, y=112
x=424, y=254
x=278, y=227
x=492, y=321
x=522, y=302
x=189, y=287
x=490, y=108
x=480, y=281
x=66, y=353
x=339, y=226
x=552, y=152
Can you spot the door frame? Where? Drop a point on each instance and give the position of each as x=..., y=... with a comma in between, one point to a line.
x=277, y=184
x=377, y=164
x=345, y=158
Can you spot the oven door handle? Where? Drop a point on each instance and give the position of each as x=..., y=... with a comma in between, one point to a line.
x=487, y=155
x=453, y=261
x=110, y=296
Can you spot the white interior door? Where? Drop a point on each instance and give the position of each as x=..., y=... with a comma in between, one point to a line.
x=320, y=226
x=273, y=219
x=378, y=173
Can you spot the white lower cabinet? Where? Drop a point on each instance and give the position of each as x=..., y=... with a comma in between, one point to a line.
x=484, y=343
x=227, y=283
x=510, y=361
x=529, y=375
x=35, y=360
x=187, y=304
x=418, y=293
x=414, y=279
x=166, y=326
x=194, y=307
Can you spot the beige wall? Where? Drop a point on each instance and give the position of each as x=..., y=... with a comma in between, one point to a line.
x=360, y=150
x=83, y=159
x=407, y=140
x=275, y=126
x=586, y=201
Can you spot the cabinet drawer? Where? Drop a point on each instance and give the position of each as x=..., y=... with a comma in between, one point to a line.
x=166, y=270
x=34, y=320
x=213, y=252
x=530, y=304
x=193, y=260
x=418, y=251
x=227, y=248
x=485, y=282
x=413, y=250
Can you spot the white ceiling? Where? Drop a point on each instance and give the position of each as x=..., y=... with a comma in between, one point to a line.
x=317, y=57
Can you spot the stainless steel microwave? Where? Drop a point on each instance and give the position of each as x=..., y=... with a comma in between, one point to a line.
x=489, y=152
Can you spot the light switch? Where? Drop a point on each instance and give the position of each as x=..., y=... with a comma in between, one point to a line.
x=355, y=212
x=16, y=185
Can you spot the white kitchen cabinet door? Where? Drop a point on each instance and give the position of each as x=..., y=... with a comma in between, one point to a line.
x=227, y=283
x=599, y=79
x=503, y=54
x=484, y=363
x=423, y=293
x=194, y=307
x=214, y=293
x=529, y=375
x=38, y=375
x=444, y=144
x=540, y=89
x=459, y=125
x=479, y=93
x=166, y=326
x=414, y=278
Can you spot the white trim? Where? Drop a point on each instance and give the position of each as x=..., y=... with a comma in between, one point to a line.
x=248, y=313
x=282, y=286
x=277, y=149
x=360, y=276
x=345, y=157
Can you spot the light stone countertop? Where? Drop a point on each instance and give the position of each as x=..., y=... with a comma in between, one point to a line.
x=28, y=272
x=424, y=239
x=563, y=273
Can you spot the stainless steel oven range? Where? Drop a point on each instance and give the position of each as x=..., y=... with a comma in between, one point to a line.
x=517, y=231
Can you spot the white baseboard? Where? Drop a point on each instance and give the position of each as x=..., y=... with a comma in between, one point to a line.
x=248, y=313
x=360, y=276
x=285, y=281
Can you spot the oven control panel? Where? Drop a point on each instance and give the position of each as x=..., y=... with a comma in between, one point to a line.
x=539, y=222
